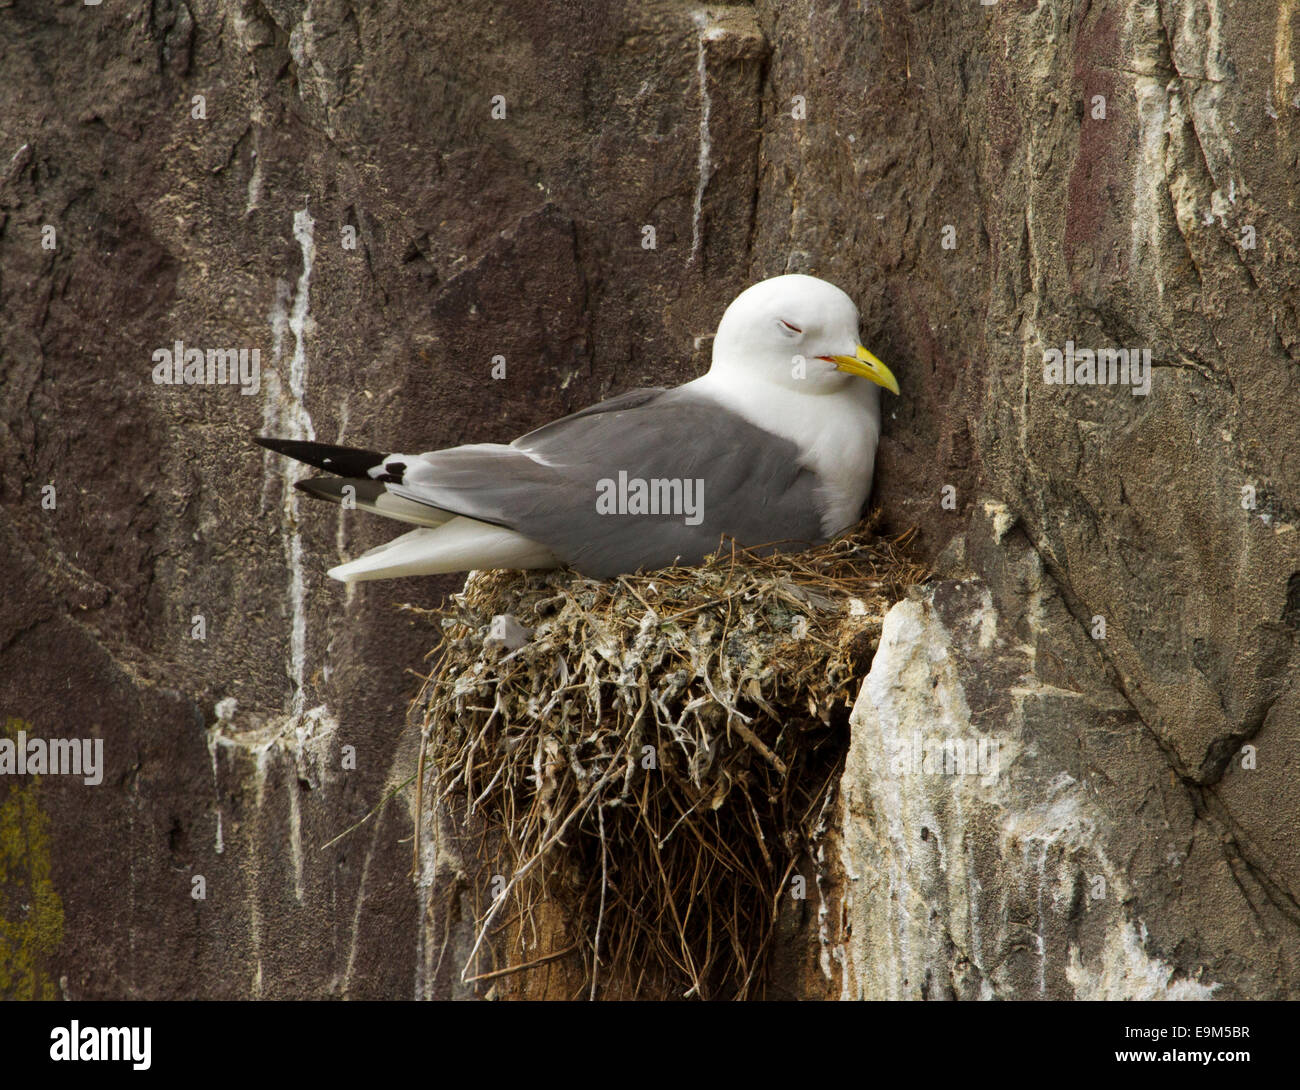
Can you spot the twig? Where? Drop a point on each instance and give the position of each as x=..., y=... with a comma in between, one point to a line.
x=758, y=743
x=377, y=807
x=600, y=915
x=497, y=973
x=419, y=800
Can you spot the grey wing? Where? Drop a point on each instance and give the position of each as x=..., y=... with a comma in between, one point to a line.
x=553, y=485
x=631, y=399
x=501, y=484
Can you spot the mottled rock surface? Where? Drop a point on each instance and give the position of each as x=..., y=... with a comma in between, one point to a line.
x=839, y=139
x=1053, y=855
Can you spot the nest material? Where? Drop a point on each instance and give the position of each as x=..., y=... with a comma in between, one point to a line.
x=650, y=755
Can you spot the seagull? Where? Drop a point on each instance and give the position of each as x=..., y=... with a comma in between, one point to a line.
x=775, y=446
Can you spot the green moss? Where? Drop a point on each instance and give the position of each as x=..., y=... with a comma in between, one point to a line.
x=31, y=912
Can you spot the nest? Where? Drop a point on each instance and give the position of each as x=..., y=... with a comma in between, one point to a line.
x=645, y=761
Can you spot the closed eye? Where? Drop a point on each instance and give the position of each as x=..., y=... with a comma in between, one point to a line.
x=788, y=327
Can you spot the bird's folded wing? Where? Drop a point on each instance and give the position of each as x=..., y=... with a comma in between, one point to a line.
x=733, y=477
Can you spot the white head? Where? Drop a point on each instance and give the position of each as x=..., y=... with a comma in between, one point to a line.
x=796, y=332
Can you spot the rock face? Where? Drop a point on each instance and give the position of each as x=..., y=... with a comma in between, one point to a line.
x=1004, y=836
x=388, y=201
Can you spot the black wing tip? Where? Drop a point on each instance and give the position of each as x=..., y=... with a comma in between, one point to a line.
x=270, y=442
x=341, y=461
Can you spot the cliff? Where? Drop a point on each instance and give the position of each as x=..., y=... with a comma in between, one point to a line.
x=386, y=200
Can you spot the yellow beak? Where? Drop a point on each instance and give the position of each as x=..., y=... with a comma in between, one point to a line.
x=866, y=365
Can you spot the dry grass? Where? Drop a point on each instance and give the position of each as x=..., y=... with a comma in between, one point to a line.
x=647, y=770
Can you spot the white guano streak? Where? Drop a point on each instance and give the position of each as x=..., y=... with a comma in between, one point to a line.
x=286, y=414
x=705, y=165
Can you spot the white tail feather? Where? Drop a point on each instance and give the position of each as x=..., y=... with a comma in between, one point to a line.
x=403, y=510
x=456, y=546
